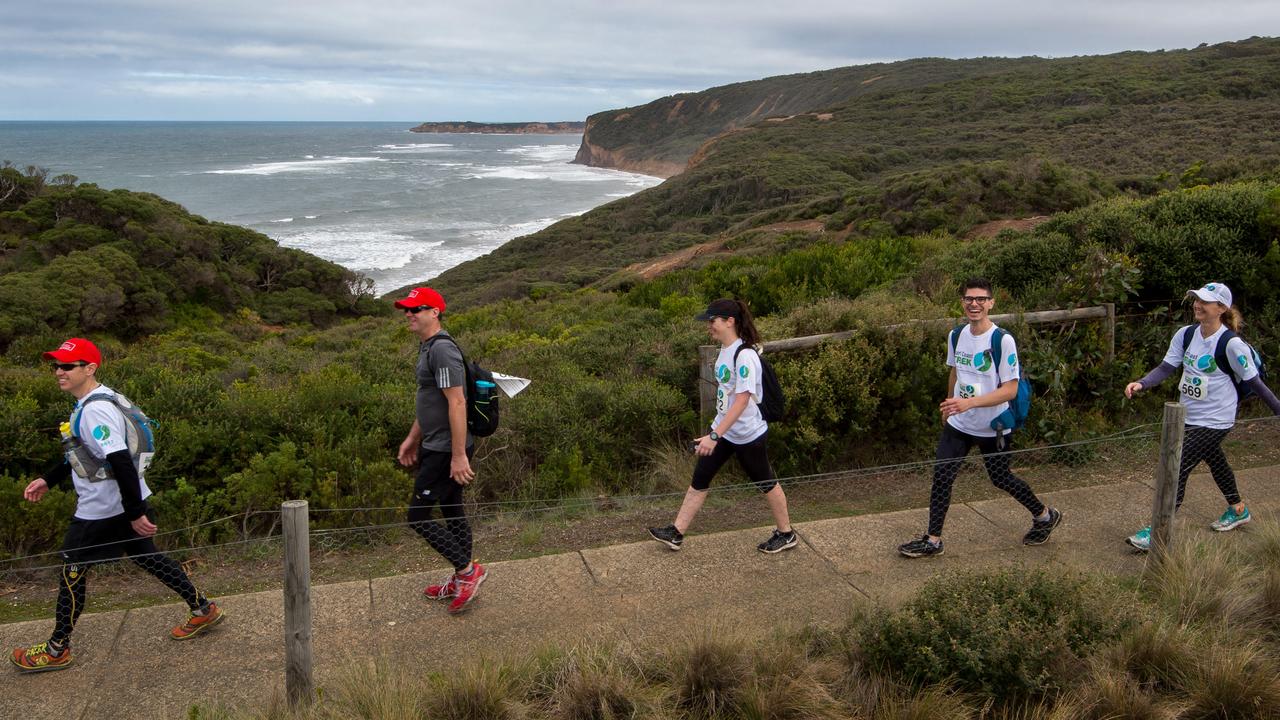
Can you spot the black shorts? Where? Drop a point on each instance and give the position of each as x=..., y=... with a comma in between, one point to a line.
x=102, y=540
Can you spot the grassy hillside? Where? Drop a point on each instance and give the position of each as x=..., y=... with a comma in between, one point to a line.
x=933, y=145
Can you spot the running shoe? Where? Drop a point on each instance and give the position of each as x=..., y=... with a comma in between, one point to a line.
x=778, y=542
x=467, y=586
x=920, y=548
x=1140, y=540
x=37, y=658
x=1040, y=529
x=669, y=536
x=1231, y=520
x=197, y=624
x=444, y=590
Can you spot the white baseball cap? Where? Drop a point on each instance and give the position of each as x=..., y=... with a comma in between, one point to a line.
x=1213, y=292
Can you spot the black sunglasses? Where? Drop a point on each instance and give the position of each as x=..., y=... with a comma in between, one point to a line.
x=68, y=367
x=416, y=310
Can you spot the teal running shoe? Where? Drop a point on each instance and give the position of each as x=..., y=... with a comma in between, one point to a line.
x=1231, y=520
x=1140, y=540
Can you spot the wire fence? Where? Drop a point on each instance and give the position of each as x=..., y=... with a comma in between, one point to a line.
x=357, y=539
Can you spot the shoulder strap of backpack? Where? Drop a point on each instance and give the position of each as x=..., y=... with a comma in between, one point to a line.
x=466, y=366
x=955, y=337
x=997, y=351
x=1220, y=354
x=1186, y=336
x=75, y=421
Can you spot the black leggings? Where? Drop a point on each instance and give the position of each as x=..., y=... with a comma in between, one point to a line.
x=953, y=446
x=752, y=457
x=93, y=542
x=1202, y=443
x=452, y=538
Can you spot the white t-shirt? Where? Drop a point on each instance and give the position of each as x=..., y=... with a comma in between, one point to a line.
x=102, y=430
x=977, y=374
x=1208, y=394
x=731, y=381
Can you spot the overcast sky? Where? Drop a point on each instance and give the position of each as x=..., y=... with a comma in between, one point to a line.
x=508, y=60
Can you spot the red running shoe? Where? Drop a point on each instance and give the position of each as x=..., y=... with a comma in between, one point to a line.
x=443, y=591
x=467, y=586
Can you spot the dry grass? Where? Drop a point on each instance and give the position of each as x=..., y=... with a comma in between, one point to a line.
x=1206, y=647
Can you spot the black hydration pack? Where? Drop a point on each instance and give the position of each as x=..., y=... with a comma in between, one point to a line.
x=481, y=393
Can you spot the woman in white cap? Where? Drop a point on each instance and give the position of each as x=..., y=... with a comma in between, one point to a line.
x=1218, y=367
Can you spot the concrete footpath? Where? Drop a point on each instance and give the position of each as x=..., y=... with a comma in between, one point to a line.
x=126, y=667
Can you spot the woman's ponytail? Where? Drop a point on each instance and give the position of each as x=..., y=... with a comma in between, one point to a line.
x=747, y=326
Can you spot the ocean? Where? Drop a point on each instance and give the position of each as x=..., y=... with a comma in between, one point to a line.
x=399, y=207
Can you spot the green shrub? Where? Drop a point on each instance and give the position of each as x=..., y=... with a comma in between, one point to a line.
x=1004, y=634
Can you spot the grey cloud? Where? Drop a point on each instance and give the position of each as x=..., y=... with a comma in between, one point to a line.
x=557, y=59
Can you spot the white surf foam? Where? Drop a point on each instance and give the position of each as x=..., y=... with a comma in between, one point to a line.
x=322, y=165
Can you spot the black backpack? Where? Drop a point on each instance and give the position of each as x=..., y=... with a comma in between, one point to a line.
x=1220, y=359
x=481, y=393
x=773, y=405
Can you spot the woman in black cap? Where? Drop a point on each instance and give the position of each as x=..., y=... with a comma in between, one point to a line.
x=738, y=430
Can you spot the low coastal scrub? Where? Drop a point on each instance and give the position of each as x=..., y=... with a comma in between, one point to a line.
x=1004, y=645
x=252, y=413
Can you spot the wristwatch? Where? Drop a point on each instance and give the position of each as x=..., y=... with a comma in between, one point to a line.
x=715, y=437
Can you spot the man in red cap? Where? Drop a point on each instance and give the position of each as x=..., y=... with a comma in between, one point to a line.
x=442, y=447
x=111, y=517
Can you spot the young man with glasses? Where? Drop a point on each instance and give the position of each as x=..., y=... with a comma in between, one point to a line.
x=441, y=446
x=981, y=385
x=111, y=517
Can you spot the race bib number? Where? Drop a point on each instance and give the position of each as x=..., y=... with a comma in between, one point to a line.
x=1194, y=387
x=965, y=391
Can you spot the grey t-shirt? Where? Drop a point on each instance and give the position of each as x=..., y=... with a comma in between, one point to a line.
x=440, y=366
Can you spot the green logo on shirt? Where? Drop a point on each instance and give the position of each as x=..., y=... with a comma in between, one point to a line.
x=983, y=363
x=723, y=374
x=743, y=372
x=101, y=433
x=1206, y=363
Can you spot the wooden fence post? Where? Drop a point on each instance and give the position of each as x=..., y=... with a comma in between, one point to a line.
x=707, y=383
x=1109, y=332
x=297, y=602
x=1166, y=496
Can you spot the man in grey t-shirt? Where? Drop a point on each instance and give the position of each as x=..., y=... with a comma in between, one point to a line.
x=440, y=445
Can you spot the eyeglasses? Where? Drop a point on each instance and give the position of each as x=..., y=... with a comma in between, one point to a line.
x=68, y=367
x=416, y=310
x=975, y=299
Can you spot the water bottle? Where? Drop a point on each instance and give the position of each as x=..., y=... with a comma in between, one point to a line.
x=484, y=391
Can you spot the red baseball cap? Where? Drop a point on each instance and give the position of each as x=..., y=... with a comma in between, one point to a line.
x=76, y=349
x=420, y=296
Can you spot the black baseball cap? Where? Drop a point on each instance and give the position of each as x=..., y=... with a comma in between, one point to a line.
x=720, y=308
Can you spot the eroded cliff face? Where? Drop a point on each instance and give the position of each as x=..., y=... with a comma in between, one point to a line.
x=596, y=156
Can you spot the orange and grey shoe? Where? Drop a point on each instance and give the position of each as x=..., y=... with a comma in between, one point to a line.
x=37, y=658
x=467, y=586
x=197, y=624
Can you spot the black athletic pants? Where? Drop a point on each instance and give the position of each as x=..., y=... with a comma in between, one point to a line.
x=953, y=446
x=752, y=457
x=93, y=542
x=452, y=538
x=1202, y=443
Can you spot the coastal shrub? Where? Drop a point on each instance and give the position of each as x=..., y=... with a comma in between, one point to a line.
x=1002, y=634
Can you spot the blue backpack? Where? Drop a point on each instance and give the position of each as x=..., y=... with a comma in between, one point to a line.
x=1020, y=406
x=1243, y=391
